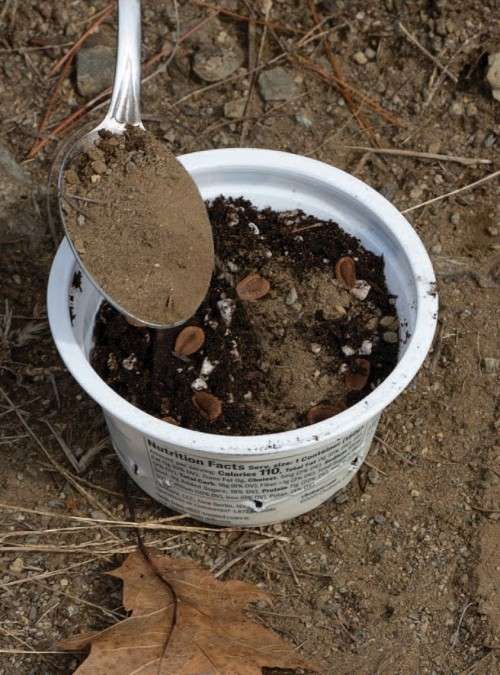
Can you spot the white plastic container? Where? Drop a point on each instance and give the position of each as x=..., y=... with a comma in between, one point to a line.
x=257, y=480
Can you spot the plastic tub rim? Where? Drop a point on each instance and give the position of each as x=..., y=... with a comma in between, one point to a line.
x=417, y=346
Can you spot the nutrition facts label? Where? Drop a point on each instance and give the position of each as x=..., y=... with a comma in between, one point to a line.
x=236, y=490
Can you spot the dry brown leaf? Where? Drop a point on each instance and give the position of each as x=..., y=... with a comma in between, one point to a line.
x=356, y=379
x=345, y=271
x=189, y=340
x=253, y=287
x=205, y=630
x=208, y=405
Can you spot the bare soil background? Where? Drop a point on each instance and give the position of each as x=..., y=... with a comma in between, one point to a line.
x=401, y=572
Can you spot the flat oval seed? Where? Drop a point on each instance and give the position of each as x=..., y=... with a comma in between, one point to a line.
x=189, y=340
x=253, y=287
x=323, y=411
x=207, y=405
x=357, y=379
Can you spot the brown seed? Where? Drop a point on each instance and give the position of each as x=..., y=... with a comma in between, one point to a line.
x=323, y=411
x=356, y=379
x=208, y=405
x=189, y=340
x=171, y=420
x=253, y=287
x=345, y=271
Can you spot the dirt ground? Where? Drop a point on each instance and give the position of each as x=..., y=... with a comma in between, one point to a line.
x=401, y=572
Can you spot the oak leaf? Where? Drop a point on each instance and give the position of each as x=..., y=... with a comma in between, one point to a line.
x=183, y=621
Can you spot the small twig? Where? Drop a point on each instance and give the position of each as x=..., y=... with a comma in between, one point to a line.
x=339, y=82
x=427, y=53
x=375, y=468
x=103, y=98
x=456, y=634
x=344, y=91
x=242, y=556
x=279, y=27
x=441, y=78
x=289, y=563
x=100, y=17
x=470, y=186
x=465, y=161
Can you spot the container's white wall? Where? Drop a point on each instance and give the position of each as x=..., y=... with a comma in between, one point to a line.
x=328, y=453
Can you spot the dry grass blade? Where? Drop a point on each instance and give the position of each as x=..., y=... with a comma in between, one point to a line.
x=141, y=525
x=427, y=53
x=93, y=501
x=465, y=161
x=470, y=186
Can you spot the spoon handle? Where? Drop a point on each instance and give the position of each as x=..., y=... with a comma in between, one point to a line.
x=126, y=98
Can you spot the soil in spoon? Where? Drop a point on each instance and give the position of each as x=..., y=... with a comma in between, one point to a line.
x=140, y=226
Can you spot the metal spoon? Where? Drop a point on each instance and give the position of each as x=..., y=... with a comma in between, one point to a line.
x=124, y=110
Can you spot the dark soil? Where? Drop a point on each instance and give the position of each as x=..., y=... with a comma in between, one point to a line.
x=274, y=358
x=140, y=226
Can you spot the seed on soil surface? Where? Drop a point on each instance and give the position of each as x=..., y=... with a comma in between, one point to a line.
x=357, y=378
x=323, y=411
x=253, y=287
x=208, y=405
x=189, y=340
x=345, y=271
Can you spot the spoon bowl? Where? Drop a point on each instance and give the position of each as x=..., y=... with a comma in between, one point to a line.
x=123, y=113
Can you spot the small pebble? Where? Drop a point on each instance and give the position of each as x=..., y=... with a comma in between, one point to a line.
x=360, y=290
x=437, y=249
x=315, y=348
x=199, y=384
x=455, y=218
x=348, y=351
x=415, y=493
x=390, y=337
x=379, y=519
x=292, y=296
x=492, y=231
x=17, y=566
x=373, y=476
x=304, y=120
x=366, y=348
x=341, y=498
x=370, y=53
x=360, y=58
